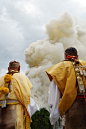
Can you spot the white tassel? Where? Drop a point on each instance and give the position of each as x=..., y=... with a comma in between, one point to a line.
x=10, y=87
x=84, y=72
x=80, y=70
x=8, y=95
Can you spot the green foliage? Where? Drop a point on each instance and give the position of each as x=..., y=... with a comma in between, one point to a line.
x=40, y=120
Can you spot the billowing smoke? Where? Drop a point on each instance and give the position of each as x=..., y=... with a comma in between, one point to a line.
x=63, y=32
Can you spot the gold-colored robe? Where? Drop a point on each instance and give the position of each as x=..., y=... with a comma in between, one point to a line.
x=64, y=76
x=20, y=91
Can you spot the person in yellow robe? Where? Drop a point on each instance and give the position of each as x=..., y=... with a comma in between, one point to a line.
x=70, y=78
x=15, y=92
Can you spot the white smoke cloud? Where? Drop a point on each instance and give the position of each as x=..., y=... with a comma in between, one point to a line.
x=62, y=33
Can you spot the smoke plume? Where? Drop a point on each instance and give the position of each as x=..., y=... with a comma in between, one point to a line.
x=66, y=31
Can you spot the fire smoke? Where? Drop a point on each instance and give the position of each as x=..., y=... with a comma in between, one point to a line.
x=66, y=31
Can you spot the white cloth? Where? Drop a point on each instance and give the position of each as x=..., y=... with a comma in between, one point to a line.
x=63, y=120
x=32, y=108
x=53, y=101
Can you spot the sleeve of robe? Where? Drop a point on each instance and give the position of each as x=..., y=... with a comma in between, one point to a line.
x=53, y=101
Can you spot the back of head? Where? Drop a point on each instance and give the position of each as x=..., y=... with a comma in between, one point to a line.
x=71, y=54
x=71, y=51
x=14, y=66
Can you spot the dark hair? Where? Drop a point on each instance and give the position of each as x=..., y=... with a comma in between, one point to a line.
x=71, y=51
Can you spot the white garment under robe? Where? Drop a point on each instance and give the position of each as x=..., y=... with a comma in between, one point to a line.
x=53, y=101
x=32, y=108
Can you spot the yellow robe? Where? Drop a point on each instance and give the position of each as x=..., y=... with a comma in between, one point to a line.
x=64, y=76
x=20, y=91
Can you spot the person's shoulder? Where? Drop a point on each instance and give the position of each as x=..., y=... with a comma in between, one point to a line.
x=61, y=64
x=19, y=75
x=82, y=62
x=65, y=63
